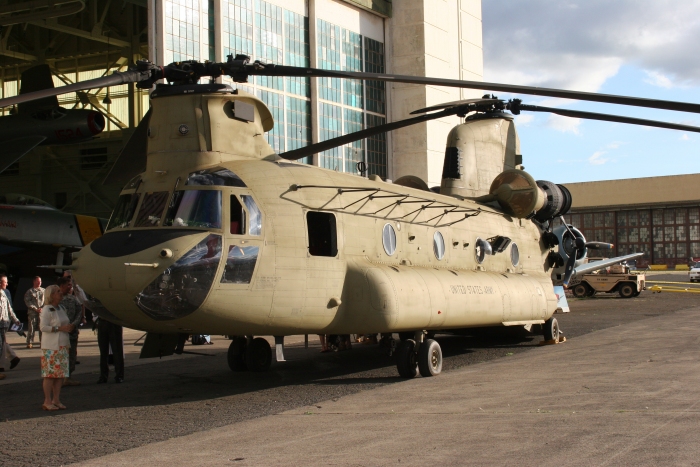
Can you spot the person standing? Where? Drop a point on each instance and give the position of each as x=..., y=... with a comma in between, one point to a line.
x=110, y=335
x=34, y=299
x=7, y=316
x=74, y=311
x=55, y=328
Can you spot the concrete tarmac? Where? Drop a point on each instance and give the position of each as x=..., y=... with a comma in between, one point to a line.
x=627, y=395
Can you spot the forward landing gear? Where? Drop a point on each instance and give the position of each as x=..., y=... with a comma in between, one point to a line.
x=248, y=353
x=413, y=356
x=550, y=330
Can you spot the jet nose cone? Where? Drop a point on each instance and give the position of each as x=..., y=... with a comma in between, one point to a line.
x=96, y=123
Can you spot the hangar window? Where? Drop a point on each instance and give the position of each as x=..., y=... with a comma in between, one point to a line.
x=322, y=234
x=151, y=209
x=240, y=264
x=124, y=211
x=237, y=216
x=438, y=245
x=389, y=239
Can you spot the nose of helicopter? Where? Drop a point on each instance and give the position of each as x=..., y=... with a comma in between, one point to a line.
x=144, y=275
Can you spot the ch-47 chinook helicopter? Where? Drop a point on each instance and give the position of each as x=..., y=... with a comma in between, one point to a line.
x=218, y=234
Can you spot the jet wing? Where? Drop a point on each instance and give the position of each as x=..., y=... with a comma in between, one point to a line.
x=595, y=266
x=12, y=150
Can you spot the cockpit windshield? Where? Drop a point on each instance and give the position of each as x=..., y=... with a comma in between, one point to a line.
x=194, y=208
x=124, y=212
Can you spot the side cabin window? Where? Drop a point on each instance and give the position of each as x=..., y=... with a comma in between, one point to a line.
x=194, y=208
x=151, y=209
x=323, y=237
x=215, y=177
x=124, y=211
x=237, y=216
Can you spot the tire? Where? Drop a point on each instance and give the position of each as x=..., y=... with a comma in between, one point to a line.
x=551, y=329
x=406, y=359
x=236, y=354
x=636, y=294
x=258, y=355
x=627, y=290
x=581, y=290
x=430, y=358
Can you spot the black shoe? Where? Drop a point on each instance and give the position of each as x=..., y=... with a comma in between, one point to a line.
x=118, y=380
x=14, y=362
x=101, y=380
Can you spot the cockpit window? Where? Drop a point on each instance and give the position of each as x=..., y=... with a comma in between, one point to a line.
x=124, y=211
x=195, y=208
x=151, y=209
x=255, y=226
x=237, y=216
x=215, y=177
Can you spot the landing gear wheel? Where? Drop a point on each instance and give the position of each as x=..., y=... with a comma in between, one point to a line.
x=430, y=358
x=581, y=290
x=258, y=355
x=627, y=290
x=551, y=329
x=236, y=354
x=406, y=361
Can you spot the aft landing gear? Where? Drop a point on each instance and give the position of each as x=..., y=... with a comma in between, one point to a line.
x=413, y=357
x=248, y=353
x=551, y=330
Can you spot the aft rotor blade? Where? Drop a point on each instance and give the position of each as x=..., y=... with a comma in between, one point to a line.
x=446, y=105
x=609, y=118
x=282, y=70
x=115, y=79
x=351, y=137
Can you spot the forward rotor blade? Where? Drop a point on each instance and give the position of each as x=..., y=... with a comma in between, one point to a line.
x=349, y=138
x=599, y=245
x=609, y=118
x=131, y=161
x=118, y=77
x=281, y=70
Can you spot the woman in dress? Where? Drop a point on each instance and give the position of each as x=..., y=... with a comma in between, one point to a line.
x=55, y=326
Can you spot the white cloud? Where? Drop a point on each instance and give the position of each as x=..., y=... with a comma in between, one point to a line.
x=615, y=144
x=597, y=158
x=579, y=45
x=657, y=79
x=684, y=137
x=524, y=119
x=564, y=124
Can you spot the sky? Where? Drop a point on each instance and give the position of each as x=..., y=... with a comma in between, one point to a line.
x=643, y=48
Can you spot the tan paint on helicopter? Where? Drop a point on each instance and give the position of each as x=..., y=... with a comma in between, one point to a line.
x=486, y=148
x=361, y=289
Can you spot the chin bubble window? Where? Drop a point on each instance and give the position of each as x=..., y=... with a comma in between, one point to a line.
x=514, y=254
x=438, y=245
x=481, y=249
x=240, y=264
x=182, y=288
x=389, y=239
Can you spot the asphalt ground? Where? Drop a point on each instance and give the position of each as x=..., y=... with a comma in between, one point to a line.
x=178, y=396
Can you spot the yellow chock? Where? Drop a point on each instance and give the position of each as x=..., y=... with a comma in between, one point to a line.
x=561, y=340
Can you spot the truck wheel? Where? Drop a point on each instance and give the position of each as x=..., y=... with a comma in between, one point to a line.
x=581, y=290
x=636, y=294
x=627, y=290
x=551, y=329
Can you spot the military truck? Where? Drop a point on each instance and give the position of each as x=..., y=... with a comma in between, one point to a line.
x=617, y=278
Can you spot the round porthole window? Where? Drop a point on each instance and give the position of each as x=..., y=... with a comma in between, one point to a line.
x=389, y=239
x=514, y=254
x=481, y=249
x=438, y=245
